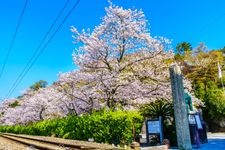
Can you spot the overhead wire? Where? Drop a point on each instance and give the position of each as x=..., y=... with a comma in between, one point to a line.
x=13, y=39
x=19, y=80
x=39, y=46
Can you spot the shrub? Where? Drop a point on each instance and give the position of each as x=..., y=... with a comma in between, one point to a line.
x=107, y=126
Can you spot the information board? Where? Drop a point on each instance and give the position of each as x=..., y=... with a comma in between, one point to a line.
x=198, y=121
x=191, y=119
x=154, y=126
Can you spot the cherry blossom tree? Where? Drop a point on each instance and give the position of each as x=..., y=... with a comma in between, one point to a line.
x=4, y=106
x=126, y=62
x=78, y=89
x=42, y=105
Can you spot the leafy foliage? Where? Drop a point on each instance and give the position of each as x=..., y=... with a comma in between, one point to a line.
x=201, y=67
x=183, y=48
x=158, y=108
x=40, y=84
x=14, y=104
x=118, y=127
x=215, y=101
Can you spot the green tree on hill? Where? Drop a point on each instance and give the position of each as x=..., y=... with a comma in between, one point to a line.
x=40, y=84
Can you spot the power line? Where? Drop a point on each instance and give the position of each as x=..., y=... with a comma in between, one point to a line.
x=43, y=48
x=14, y=37
x=39, y=46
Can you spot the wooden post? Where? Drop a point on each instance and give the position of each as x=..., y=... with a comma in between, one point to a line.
x=180, y=111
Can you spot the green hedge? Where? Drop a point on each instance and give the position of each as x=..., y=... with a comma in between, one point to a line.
x=118, y=127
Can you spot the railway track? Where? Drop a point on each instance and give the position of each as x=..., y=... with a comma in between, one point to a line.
x=51, y=143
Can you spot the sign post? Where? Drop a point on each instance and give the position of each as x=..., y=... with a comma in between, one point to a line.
x=195, y=125
x=154, y=127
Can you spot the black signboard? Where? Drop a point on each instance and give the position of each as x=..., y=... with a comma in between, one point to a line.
x=154, y=127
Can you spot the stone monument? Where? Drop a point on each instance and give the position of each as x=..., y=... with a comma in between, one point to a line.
x=180, y=109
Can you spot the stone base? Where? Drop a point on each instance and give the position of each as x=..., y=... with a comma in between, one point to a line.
x=161, y=147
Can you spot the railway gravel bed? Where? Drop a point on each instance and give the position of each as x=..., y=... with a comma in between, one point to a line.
x=6, y=144
x=53, y=143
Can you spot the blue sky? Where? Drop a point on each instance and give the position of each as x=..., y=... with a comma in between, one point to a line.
x=193, y=21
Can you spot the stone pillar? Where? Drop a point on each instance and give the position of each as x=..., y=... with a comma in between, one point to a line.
x=180, y=111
